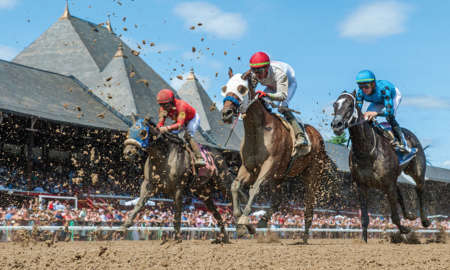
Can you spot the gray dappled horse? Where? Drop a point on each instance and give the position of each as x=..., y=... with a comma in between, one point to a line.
x=374, y=162
x=169, y=170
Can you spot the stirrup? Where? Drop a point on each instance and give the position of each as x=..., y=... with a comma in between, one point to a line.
x=405, y=158
x=199, y=162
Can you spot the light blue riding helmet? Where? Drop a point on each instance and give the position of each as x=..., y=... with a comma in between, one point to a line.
x=365, y=76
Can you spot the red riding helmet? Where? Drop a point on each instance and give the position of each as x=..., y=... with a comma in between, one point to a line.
x=165, y=96
x=259, y=59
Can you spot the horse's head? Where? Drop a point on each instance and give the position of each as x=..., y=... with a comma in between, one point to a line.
x=345, y=112
x=140, y=135
x=235, y=92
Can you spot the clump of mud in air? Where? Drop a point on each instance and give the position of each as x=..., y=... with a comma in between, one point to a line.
x=440, y=237
x=269, y=237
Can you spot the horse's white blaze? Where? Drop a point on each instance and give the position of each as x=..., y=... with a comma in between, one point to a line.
x=340, y=102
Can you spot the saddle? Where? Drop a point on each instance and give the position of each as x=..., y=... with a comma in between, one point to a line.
x=288, y=126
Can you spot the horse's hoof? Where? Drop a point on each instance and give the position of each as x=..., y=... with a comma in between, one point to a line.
x=243, y=220
x=411, y=216
x=305, y=239
x=426, y=223
x=241, y=231
x=405, y=230
x=250, y=229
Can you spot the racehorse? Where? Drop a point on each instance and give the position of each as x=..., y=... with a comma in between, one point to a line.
x=266, y=153
x=374, y=162
x=169, y=169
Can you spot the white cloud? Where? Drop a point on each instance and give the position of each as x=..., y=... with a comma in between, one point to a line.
x=7, y=53
x=446, y=164
x=223, y=24
x=376, y=20
x=7, y=4
x=427, y=102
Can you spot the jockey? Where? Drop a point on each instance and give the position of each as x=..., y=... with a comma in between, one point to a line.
x=184, y=116
x=384, y=99
x=280, y=82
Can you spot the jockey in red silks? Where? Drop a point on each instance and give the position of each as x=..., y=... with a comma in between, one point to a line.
x=280, y=82
x=184, y=116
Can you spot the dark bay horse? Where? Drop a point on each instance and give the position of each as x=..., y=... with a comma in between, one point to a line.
x=168, y=169
x=266, y=155
x=374, y=163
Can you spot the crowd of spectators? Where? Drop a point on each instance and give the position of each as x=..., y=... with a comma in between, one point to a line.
x=59, y=213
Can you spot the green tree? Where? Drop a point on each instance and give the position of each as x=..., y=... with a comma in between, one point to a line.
x=341, y=139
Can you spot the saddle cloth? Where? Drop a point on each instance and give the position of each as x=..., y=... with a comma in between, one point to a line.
x=386, y=130
x=210, y=169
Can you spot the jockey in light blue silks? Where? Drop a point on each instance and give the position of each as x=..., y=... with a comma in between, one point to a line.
x=384, y=100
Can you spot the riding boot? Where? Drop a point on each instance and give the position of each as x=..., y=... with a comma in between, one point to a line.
x=199, y=161
x=299, y=130
x=401, y=141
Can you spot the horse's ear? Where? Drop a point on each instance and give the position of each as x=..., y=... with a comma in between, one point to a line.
x=354, y=93
x=224, y=89
x=230, y=72
x=147, y=119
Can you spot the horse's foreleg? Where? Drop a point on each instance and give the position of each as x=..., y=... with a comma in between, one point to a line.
x=310, y=200
x=212, y=208
x=236, y=191
x=275, y=199
x=141, y=202
x=392, y=198
x=401, y=201
x=177, y=216
x=364, y=212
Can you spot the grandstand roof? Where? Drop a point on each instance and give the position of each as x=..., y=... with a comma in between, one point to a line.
x=52, y=96
x=90, y=52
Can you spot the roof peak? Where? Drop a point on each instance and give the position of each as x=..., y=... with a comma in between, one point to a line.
x=66, y=14
x=191, y=75
x=119, y=52
x=108, y=25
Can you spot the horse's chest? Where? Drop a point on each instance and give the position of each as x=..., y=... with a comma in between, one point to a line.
x=370, y=173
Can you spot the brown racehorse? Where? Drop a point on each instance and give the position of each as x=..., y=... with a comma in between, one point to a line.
x=266, y=155
x=374, y=163
x=168, y=169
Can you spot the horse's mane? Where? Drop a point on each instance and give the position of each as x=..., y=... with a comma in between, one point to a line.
x=166, y=136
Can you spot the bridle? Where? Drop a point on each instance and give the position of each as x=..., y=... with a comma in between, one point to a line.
x=351, y=121
x=355, y=116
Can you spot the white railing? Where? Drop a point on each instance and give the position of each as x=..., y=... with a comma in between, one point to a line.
x=197, y=229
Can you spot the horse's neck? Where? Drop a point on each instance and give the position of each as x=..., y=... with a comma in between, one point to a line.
x=163, y=151
x=254, y=121
x=363, y=139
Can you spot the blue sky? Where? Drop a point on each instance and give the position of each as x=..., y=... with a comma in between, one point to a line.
x=327, y=43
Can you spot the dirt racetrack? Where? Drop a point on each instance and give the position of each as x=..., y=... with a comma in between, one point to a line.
x=242, y=254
